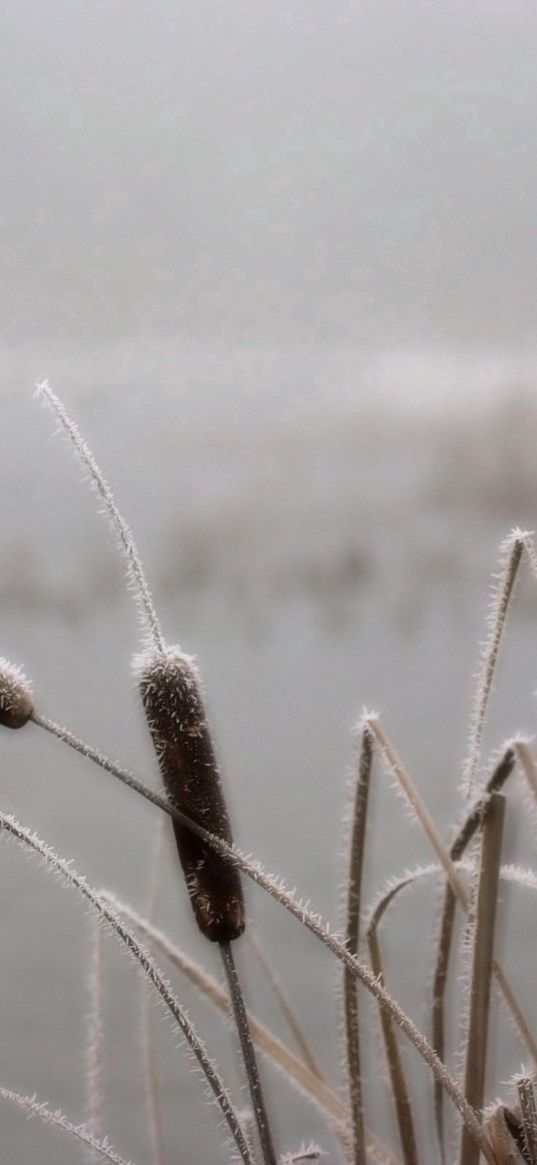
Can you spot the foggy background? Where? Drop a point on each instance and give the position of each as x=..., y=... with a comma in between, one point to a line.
x=279, y=260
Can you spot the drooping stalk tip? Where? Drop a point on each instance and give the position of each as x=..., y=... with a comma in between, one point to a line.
x=16, y=699
x=171, y=695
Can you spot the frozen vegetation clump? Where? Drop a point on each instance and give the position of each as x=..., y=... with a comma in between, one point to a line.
x=469, y=1124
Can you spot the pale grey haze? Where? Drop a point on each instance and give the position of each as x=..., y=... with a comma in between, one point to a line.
x=303, y=173
x=242, y=239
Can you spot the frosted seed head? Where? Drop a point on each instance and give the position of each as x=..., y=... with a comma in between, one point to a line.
x=173, y=704
x=16, y=700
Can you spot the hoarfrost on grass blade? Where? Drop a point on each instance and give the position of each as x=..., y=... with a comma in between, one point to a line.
x=216, y=1085
x=125, y=537
x=33, y=1107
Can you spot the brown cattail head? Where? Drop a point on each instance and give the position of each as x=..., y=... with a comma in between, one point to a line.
x=171, y=695
x=16, y=700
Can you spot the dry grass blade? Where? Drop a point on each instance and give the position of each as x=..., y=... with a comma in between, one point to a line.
x=528, y=1108
x=505, y=1134
x=284, y=1004
x=444, y=855
x=527, y=764
x=136, y=573
x=95, y=1035
x=238, y=1010
x=418, y=808
x=32, y=1107
x=352, y=936
x=398, y=1083
x=510, y=557
x=298, y=1072
x=501, y=772
x=143, y=960
x=149, y=1035
x=275, y=887
x=300, y=1075
x=481, y=972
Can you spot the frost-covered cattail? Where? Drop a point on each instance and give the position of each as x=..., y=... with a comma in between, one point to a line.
x=171, y=695
x=16, y=700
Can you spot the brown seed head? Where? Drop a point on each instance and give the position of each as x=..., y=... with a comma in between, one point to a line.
x=171, y=694
x=16, y=700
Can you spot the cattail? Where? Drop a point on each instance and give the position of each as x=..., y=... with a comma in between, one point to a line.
x=16, y=700
x=171, y=696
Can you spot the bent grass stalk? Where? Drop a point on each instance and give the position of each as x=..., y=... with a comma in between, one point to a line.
x=275, y=887
x=170, y=690
x=352, y=937
x=484, y=914
x=32, y=1107
x=212, y=864
x=148, y=966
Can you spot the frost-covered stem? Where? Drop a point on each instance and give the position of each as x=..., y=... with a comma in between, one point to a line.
x=511, y=552
x=528, y=1108
x=95, y=1037
x=308, y=919
x=481, y=972
x=248, y=1054
x=33, y=1107
x=502, y=770
x=527, y=764
x=418, y=808
x=296, y=1071
x=152, y=1098
x=285, y=1004
x=394, y=1061
x=352, y=935
x=124, y=534
x=148, y=965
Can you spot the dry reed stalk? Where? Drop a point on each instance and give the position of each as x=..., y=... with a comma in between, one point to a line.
x=528, y=1109
x=144, y=960
x=171, y=696
x=149, y=1041
x=352, y=939
x=238, y=1010
x=484, y=916
x=510, y=557
x=297, y=1071
x=500, y=774
x=101, y=1148
x=399, y=1087
x=275, y=888
x=95, y=1035
x=285, y=1005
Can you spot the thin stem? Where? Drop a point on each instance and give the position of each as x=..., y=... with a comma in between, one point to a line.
x=510, y=557
x=95, y=1037
x=418, y=807
x=398, y=1083
x=352, y=936
x=528, y=1108
x=153, y=1106
x=296, y=1071
x=285, y=1004
x=33, y=1107
x=248, y=1054
x=148, y=965
x=501, y=772
x=481, y=973
x=312, y=922
x=123, y=532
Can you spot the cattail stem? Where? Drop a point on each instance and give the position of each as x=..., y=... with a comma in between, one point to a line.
x=481, y=973
x=352, y=935
x=248, y=1054
x=311, y=921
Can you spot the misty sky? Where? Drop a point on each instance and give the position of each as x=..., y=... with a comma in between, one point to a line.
x=277, y=172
